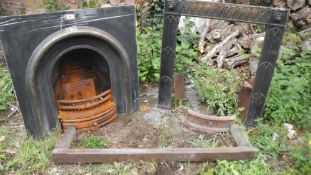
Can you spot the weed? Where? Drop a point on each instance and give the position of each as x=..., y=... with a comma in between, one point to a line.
x=290, y=92
x=259, y=28
x=302, y=157
x=33, y=155
x=202, y=142
x=218, y=88
x=166, y=134
x=257, y=166
x=261, y=138
x=93, y=4
x=149, y=13
x=292, y=41
x=3, y=11
x=96, y=142
x=149, y=52
x=6, y=89
x=261, y=2
x=54, y=5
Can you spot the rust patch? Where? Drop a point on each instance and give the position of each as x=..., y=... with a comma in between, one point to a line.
x=79, y=105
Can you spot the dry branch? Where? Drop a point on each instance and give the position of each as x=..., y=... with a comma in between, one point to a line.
x=210, y=54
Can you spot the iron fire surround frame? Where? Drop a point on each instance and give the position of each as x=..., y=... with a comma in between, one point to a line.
x=274, y=19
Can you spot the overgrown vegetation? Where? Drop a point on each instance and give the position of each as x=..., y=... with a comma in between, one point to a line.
x=149, y=41
x=149, y=13
x=54, y=5
x=290, y=92
x=302, y=157
x=203, y=142
x=2, y=11
x=6, y=89
x=33, y=155
x=93, y=4
x=95, y=142
x=217, y=87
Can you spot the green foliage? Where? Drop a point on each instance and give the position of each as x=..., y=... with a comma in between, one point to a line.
x=54, y=5
x=292, y=41
x=302, y=157
x=93, y=4
x=290, y=93
x=96, y=142
x=3, y=12
x=261, y=138
x=149, y=52
x=6, y=89
x=202, y=142
x=218, y=87
x=166, y=134
x=81, y=3
x=258, y=166
x=259, y=28
x=186, y=53
x=261, y=2
x=33, y=155
x=149, y=13
x=149, y=42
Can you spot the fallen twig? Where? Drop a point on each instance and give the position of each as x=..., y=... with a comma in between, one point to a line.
x=210, y=54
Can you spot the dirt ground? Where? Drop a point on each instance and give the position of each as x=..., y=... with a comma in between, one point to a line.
x=151, y=127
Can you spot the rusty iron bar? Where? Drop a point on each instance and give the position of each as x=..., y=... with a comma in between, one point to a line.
x=65, y=155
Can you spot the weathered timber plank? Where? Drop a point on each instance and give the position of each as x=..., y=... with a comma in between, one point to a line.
x=170, y=154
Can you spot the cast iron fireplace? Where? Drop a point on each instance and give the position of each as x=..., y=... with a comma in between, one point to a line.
x=73, y=55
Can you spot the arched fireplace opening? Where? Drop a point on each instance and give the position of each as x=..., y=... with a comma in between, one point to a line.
x=80, y=74
x=82, y=90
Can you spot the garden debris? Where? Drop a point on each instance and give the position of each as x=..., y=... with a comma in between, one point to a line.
x=295, y=4
x=10, y=151
x=275, y=137
x=307, y=45
x=291, y=133
x=144, y=108
x=2, y=138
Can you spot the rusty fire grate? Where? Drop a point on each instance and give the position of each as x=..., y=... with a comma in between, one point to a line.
x=88, y=114
x=79, y=105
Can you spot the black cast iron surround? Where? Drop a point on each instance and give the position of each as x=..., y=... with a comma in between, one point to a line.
x=34, y=44
x=274, y=19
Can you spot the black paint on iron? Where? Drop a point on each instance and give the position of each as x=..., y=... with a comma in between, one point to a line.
x=34, y=44
x=274, y=19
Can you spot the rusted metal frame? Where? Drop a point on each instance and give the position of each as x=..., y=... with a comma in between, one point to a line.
x=63, y=154
x=275, y=20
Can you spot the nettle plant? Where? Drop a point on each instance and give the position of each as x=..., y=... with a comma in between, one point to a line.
x=290, y=93
x=218, y=88
x=6, y=89
x=149, y=41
